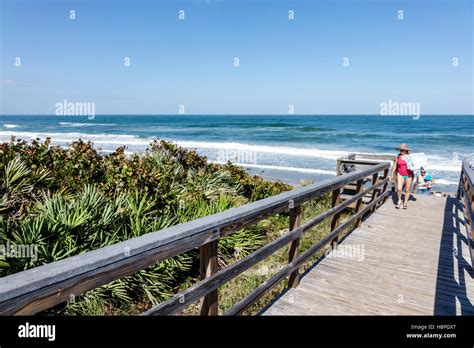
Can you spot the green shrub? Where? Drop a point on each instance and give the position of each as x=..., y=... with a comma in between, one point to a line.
x=67, y=201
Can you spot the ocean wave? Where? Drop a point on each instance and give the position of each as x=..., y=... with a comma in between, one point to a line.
x=76, y=124
x=446, y=182
x=10, y=125
x=435, y=162
x=116, y=139
x=281, y=150
x=287, y=169
x=445, y=168
x=444, y=164
x=311, y=129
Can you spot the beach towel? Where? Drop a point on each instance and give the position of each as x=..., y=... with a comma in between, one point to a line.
x=416, y=161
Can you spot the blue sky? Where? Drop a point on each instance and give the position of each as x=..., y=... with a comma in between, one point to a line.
x=190, y=62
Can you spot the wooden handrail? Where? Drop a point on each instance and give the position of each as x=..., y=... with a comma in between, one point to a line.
x=37, y=289
x=466, y=196
x=360, y=161
x=347, y=163
x=373, y=156
x=187, y=297
x=274, y=280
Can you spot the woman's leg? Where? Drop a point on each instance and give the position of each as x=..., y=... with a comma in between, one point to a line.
x=407, y=190
x=400, y=181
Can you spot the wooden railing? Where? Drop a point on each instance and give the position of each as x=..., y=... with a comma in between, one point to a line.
x=35, y=290
x=359, y=161
x=466, y=195
x=354, y=161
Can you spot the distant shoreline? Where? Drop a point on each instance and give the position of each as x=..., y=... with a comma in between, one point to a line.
x=242, y=115
x=291, y=177
x=284, y=147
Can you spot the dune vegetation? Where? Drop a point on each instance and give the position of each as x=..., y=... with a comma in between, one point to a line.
x=67, y=201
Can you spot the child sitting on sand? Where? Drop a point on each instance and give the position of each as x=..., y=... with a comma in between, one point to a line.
x=424, y=182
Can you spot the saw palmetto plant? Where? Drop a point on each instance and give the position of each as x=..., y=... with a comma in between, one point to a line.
x=64, y=202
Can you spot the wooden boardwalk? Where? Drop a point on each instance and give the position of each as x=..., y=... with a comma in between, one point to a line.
x=414, y=261
x=409, y=262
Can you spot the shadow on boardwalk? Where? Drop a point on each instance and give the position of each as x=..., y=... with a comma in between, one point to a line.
x=453, y=241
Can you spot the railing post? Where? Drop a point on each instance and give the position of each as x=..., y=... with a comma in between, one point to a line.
x=459, y=194
x=295, y=222
x=471, y=196
x=393, y=184
x=468, y=188
x=336, y=199
x=375, y=179
x=360, y=186
x=469, y=199
x=385, y=186
x=338, y=167
x=209, y=266
x=466, y=196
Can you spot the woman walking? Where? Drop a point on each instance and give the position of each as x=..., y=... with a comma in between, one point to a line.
x=403, y=175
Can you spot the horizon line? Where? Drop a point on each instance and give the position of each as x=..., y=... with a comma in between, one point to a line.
x=238, y=114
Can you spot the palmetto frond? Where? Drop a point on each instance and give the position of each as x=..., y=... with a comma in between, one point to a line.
x=15, y=171
x=18, y=183
x=61, y=211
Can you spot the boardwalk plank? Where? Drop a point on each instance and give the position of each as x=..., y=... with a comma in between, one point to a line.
x=408, y=254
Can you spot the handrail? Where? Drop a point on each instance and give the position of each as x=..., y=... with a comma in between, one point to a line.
x=347, y=163
x=182, y=300
x=466, y=196
x=242, y=305
x=37, y=289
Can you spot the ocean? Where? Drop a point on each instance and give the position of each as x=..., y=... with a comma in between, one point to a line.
x=287, y=147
